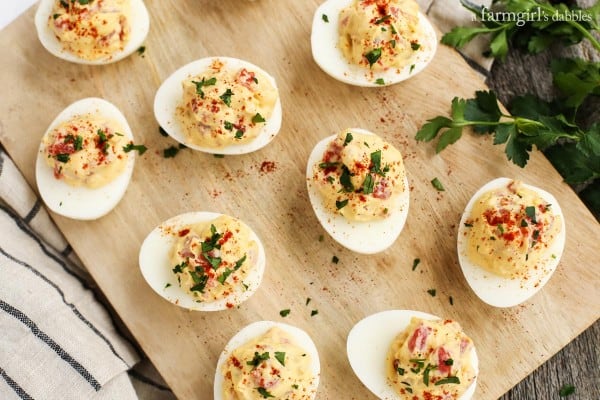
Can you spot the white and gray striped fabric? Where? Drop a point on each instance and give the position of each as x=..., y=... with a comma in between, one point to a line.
x=57, y=339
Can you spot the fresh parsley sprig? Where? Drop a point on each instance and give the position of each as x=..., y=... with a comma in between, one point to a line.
x=536, y=25
x=532, y=123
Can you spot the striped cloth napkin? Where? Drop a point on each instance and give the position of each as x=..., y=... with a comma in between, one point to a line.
x=59, y=339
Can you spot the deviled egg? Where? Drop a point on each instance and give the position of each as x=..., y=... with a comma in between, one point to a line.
x=510, y=240
x=220, y=105
x=413, y=355
x=203, y=261
x=92, y=32
x=358, y=188
x=85, y=160
x=268, y=359
x=368, y=43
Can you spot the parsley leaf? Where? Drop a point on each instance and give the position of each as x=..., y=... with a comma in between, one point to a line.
x=226, y=97
x=200, y=84
x=373, y=56
x=566, y=390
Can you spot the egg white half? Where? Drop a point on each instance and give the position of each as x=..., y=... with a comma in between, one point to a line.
x=370, y=340
x=498, y=291
x=361, y=237
x=259, y=328
x=156, y=268
x=324, y=44
x=80, y=202
x=139, y=22
x=170, y=95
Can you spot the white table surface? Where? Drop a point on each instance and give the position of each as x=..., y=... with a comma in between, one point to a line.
x=11, y=9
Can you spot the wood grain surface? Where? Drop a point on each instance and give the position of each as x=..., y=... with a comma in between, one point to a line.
x=275, y=35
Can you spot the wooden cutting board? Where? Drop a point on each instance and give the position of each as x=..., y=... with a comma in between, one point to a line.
x=267, y=190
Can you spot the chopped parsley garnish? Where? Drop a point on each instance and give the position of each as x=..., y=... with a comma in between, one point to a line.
x=200, y=280
x=228, y=125
x=450, y=379
x=566, y=390
x=437, y=185
x=258, y=358
x=348, y=138
x=239, y=134
x=284, y=313
x=325, y=18
x=428, y=369
x=524, y=223
x=258, y=118
x=226, y=97
x=280, y=356
x=178, y=269
x=345, y=180
x=412, y=67
x=62, y=158
x=199, y=85
x=54, y=16
x=393, y=43
x=141, y=50
x=140, y=148
x=401, y=371
x=380, y=81
x=294, y=386
x=449, y=362
x=219, y=155
x=162, y=131
x=415, y=46
x=307, y=300
x=341, y=204
x=264, y=393
x=328, y=164
x=84, y=2
x=335, y=259
x=314, y=312
x=368, y=184
x=451, y=300
x=373, y=55
x=382, y=19
x=530, y=212
x=170, y=152
x=468, y=225
x=167, y=285
x=330, y=179
x=416, y=262
x=431, y=292
x=376, y=163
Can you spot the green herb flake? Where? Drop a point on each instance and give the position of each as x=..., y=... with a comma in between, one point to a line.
x=341, y=204
x=400, y=371
x=258, y=358
x=348, y=138
x=295, y=387
x=432, y=292
x=373, y=56
x=412, y=67
x=280, y=356
x=437, y=185
x=162, y=131
x=368, y=184
x=203, y=83
x=284, y=313
x=228, y=125
x=264, y=393
x=416, y=262
x=468, y=225
x=325, y=18
x=415, y=46
x=314, y=312
x=530, y=212
x=380, y=81
x=239, y=134
x=449, y=362
x=450, y=379
x=219, y=155
x=321, y=238
x=141, y=50
x=170, y=152
x=335, y=259
x=168, y=285
x=308, y=299
x=451, y=300
x=63, y=158
x=140, y=148
x=566, y=390
x=258, y=118
x=226, y=97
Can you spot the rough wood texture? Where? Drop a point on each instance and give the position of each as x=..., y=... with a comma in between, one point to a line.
x=577, y=364
x=184, y=345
